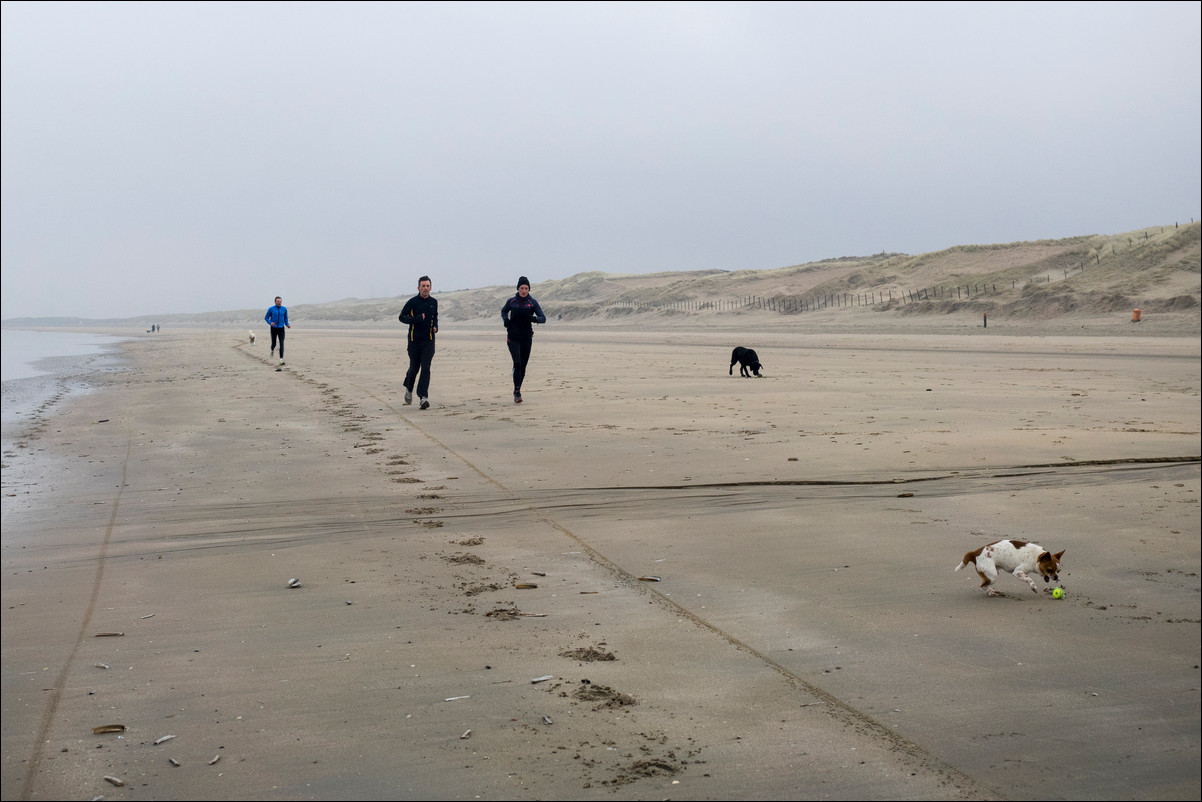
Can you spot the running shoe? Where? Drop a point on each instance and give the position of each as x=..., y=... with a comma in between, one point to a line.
x=425, y=403
x=517, y=397
x=408, y=396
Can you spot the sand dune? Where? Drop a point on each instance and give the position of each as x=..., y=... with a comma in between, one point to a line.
x=1086, y=283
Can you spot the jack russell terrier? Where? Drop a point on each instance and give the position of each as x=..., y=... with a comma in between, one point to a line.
x=1016, y=557
x=252, y=338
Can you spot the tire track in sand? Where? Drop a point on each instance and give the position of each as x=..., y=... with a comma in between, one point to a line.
x=56, y=692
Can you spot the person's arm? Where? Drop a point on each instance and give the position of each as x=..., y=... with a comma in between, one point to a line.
x=286, y=323
x=406, y=315
x=267, y=316
x=505, y=312
x=539, y=317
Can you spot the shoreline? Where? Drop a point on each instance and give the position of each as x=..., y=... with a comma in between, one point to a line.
x=57, y=373
x=31, y=403
x=806, y=636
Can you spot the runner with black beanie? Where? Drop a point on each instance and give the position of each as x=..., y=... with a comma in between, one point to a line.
x=519, y=315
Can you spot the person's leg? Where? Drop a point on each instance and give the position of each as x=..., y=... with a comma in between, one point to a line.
x=519, y=371
x=526, y=346
x=282, y=330
x=415, y=363
x=427, y=356
x=274, y=336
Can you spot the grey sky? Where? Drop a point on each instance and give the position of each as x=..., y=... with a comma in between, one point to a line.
x=194, y=157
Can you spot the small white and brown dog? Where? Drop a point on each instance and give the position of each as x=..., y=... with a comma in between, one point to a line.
x=252, y=338
x=1016, y=557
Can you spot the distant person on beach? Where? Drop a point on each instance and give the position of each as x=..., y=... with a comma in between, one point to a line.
x=277, y=318
x=519, y=314
x=420, y=313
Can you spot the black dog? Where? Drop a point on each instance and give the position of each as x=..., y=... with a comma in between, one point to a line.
x=747, y=359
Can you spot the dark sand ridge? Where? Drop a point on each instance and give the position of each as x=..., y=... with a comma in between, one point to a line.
x=807, y=637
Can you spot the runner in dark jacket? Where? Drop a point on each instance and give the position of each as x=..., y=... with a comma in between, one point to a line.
x=420, y=313
x=519, y=314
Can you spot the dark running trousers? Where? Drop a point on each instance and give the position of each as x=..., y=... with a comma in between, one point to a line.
x=421, y=354
x=519, y=349
x=277, y=332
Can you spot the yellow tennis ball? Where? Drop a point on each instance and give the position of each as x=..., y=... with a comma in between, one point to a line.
x=1058, y=593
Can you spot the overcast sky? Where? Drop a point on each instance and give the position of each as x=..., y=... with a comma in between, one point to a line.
x=192, y=157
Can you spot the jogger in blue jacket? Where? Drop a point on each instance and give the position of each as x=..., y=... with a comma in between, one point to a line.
x=277, y=318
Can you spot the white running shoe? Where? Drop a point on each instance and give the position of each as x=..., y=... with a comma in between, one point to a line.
x=425, y=403
x=408, y=396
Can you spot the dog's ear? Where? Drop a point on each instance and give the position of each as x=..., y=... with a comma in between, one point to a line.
x=1058, y=556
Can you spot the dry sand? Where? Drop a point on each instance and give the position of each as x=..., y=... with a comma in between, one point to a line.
x=806, y=638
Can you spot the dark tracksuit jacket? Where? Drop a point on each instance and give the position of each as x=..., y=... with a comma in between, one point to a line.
x=411, y=315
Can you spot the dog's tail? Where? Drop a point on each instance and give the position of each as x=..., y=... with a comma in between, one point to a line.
x=971, y=557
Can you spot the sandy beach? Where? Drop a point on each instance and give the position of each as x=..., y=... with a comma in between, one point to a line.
x=651, y=580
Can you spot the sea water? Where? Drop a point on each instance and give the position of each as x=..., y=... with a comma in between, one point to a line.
x=34, y=365
x=23, y=351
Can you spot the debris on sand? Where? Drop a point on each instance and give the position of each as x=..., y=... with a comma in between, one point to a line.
x=644, y=768
x=476, y=590
x=588, y=654
x=605, y=696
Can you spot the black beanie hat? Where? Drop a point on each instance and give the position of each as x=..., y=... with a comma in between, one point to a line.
x=523, y=280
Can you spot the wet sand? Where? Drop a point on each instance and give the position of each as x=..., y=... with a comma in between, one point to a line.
x=769, y=562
